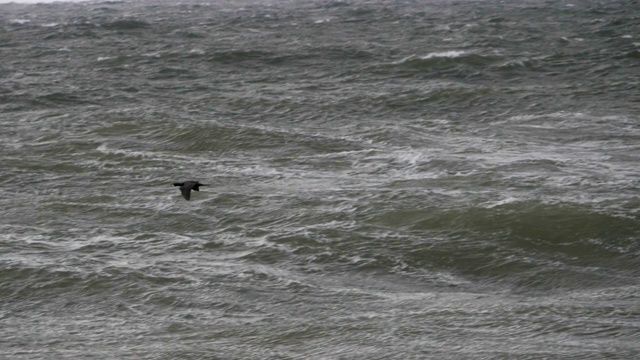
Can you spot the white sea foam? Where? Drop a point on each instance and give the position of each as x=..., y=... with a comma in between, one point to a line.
x=505, y=201
x=444, y=54
x=381, y=200
x=197, y=52
x=435, y=55
x=19, y=21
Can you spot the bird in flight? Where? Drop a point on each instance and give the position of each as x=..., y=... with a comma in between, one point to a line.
x=187, y=186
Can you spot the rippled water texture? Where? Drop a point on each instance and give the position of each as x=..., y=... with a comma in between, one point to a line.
x=389, y=180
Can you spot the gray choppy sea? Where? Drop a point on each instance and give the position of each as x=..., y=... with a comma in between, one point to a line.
x=389, y=180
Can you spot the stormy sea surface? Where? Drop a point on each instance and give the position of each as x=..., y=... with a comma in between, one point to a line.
x=387, y=180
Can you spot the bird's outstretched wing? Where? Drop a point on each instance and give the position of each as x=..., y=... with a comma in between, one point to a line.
x=186, y=191
x=187, y=186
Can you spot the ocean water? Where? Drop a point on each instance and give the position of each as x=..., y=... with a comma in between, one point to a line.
x=388, y=180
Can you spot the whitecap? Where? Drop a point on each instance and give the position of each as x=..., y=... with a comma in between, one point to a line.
x=19, y=21
x=444, y=54
x=505, y=201
x=196, y=52
x=156, y=54
x=435, y=55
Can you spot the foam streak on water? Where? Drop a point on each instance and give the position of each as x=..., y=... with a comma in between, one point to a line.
x=389, y=180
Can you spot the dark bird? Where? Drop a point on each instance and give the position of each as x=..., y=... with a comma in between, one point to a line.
x=187, y=186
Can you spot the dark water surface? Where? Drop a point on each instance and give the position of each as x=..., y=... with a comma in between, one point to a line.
x=390, y=180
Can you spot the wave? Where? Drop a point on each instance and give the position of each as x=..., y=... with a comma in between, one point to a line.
x=310, y=54
x=527, y=245
x=236, y=56
x=445, y=58
x=125, y=24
